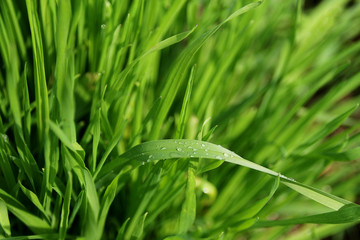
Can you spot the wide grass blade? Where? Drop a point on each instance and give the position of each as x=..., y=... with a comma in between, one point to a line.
x=174, y=149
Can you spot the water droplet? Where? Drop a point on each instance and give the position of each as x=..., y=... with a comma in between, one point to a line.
x=190, y=147
x=163, y=148
x=195, y=149
x=103, y=26
x=150, y=156
x=178, y=149
x=218, y=157
x=175, y=141
x=226, y=155
x=203, y=145
x=206, y=190
x=192, y=156
x=206, y=154
x=5, y=138
x=194, y=152
x=180, y=142
x=143, y=163
x=206, y=150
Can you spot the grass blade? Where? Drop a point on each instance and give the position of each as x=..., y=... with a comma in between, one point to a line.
x=64, y=222
x=347, y=214
x=170, y=149
x=4, y=218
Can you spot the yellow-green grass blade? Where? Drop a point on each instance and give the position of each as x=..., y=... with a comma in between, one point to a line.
x=4, y=219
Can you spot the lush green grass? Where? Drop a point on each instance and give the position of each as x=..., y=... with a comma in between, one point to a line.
x=90, y=90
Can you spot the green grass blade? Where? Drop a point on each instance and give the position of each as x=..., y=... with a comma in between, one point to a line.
x=179, y=70
x=317, y=195
x=121, y=231
x=107, y=199
x=41, y=95
x=96, y=139
x=185, y=106
x=161, y=45
x=34, y=199
x=116, y=138
x=4, y=218
x=188, y=210
x=64, y=81
x=64, y=222
x=347, y=214
x=36, y=224
x=136, y=223
x=170, y=149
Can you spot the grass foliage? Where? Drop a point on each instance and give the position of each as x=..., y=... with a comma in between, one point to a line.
x=108, y=110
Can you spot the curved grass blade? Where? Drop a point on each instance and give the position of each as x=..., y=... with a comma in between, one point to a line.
x=180, y=148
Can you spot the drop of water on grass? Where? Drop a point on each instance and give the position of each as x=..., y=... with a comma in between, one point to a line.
x=287, y=178
x=175, y=141
x=226, y=155
x=190, y=147
x=195, y=149
x=150, y=156
x=206, y=190
x=180, y=143
x=194, y=152
x=103, y=26
x=143, y=163
x=179, y=149
x=206, y=150
x=203, y=145
x=163, y=148
x=5, y=138
x=218, y=157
